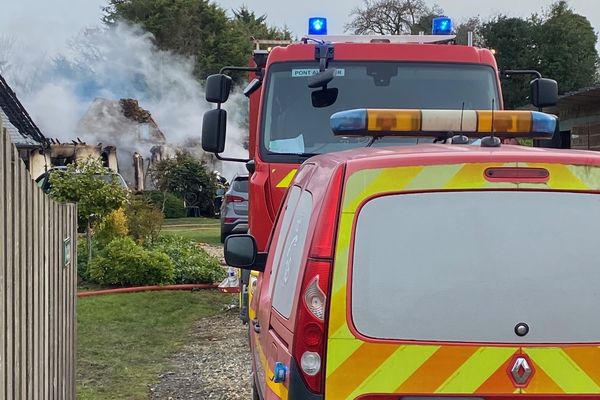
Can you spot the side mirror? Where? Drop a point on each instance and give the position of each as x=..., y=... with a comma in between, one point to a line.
x=241, y=252
x=544, y=92
x=324, y=97
x=214, y=125
x=218, y=87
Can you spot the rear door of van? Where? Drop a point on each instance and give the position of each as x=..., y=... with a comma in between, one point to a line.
x=458, y=286
x=271, y=331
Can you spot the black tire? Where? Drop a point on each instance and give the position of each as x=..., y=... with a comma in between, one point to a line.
x=223, y=237
x=255, y=395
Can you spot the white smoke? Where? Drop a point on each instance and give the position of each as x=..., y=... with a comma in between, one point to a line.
x=114, y=63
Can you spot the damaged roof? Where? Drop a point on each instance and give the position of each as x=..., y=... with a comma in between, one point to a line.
x=19, y=125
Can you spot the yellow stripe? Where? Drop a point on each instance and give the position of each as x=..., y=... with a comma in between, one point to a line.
x=279, y=389
x=435, y=176
x=561, y=177
x=364, y=183
x=395, y=370
x=562, y=370
x=343, y=350
x=476, y=370
x=470, y=176
x=287, y=180
x=589, y=176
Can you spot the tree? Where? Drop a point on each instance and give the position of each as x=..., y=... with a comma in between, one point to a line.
x=462, y=30
x=82, y=184
x=567, y=48
x=188, y=177
x=392, y=17
x=252, y=26
x=513, y=40
x=560, y=44
x=196, y=28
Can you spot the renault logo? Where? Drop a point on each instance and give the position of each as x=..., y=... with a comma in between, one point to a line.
x=521, y=371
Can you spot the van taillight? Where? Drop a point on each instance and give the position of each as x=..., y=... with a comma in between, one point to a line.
x=324, y=238
x=309, y=340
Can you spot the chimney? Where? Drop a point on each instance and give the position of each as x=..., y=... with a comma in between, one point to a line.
x=138, y=171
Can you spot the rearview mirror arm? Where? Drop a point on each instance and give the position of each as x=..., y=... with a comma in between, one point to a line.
x=246, y=69
x=508, y=73
x=260, y=262
x=242, y=160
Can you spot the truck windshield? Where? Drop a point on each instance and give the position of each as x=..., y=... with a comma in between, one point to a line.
x=291, y=125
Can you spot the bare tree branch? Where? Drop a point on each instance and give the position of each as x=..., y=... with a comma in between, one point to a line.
x=389, y=17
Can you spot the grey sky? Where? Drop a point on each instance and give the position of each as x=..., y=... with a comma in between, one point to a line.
x=52, y=22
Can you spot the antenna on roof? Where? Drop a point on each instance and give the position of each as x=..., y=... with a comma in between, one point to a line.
x=491, y=141
x=460, y=139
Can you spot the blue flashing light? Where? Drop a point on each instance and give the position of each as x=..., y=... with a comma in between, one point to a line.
x=442, y=26
x=544, y=125
x=317, y=26
x=349, y=122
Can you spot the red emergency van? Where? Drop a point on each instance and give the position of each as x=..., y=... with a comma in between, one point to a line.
x=431, y=272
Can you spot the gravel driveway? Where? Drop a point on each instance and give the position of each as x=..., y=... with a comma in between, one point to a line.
x=215, y=365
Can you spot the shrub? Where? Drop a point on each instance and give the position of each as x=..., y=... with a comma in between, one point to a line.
x=82, y=259
x=145, y=220
x=188, y=177
x=191, y=263
x=170, y=204
x=115, y=225
x=81, y=184
x=123, y=262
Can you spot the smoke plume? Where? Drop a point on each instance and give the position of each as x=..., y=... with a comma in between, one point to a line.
x=114, y=63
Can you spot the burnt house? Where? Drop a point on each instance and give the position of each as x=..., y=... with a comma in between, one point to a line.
x=23, y=132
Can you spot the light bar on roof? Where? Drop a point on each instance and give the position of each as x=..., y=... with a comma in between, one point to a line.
x=441, y=123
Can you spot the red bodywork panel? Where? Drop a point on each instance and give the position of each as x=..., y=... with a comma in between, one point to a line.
x=265, y=196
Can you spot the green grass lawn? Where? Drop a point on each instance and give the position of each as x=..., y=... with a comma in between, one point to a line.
x=191, y=221
x=124, y=341
x=205, y=230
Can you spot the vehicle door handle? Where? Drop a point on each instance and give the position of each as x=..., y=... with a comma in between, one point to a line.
x=256, y=325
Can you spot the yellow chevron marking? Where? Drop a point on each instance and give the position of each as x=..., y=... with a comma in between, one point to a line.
x=476, y=370
x=561, y=176
x=562, y=370
x=589, y=176
x=395, y=370
x=367, y=182
x=287, y=180
x=435, y=176
x=343, y=350
x=470, y=176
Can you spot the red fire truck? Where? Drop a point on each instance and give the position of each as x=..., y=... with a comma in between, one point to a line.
x=295, y=89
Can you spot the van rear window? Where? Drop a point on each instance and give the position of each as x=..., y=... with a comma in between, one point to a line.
x=471, y=266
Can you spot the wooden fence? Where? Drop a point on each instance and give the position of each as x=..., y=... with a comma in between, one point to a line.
x=38, y=286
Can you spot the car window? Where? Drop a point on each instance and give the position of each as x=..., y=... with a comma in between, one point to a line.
x=291, y=257
x=470, y=266
x=286, y=219
x=241, y=185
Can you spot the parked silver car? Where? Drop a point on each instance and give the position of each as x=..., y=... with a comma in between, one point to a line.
x=234, y=209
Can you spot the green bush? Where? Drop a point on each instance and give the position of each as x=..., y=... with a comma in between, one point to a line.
x=82, y=258
x=191, y=263
x=123, y=262
x=173, y=204
x=145, y=220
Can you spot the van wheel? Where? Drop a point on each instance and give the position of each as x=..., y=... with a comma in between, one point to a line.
x=255, y=395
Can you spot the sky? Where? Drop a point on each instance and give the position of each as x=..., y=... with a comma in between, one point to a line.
x=52, y=22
